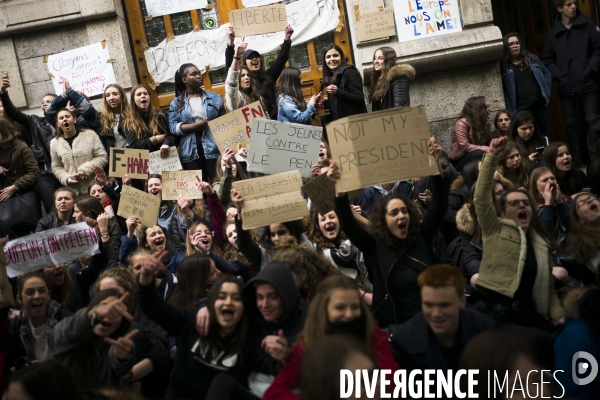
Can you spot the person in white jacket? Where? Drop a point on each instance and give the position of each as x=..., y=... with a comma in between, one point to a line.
x=75, y=152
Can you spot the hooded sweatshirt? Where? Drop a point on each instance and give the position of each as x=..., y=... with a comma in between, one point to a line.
x=291, y=321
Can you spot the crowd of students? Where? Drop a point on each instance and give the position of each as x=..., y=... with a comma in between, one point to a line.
x=407, y=275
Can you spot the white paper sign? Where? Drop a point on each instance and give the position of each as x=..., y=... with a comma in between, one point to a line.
x=417, y=19
x=309, y=18
x=281, y=146
x=257, y=3
x=48, y=248
x=156, y=8
x=157, y=164
x=85, y=68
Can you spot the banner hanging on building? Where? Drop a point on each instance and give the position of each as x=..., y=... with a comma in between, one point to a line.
x=418, y=19
x=156, y=8
x=206, y=48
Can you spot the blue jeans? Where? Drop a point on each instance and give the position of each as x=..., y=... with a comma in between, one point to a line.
x=590, y=108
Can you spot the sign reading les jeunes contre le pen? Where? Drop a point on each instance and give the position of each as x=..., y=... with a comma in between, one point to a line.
x=271, y=199
x=420, y=19
x=140, y=204
x=130, y=162
x=235, y=128
x=381, y=147
x=51, y=247
x=277, y=146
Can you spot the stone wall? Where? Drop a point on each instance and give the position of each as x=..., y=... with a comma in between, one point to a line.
x=449, y=68
x=32, y=29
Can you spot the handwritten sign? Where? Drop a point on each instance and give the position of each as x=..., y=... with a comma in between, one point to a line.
x=86, y=69
x=381, y=147
x=257, y=3
x=321, y=192
x=180, y=183
x=170, y=163
x=48, y=248
x=141, y=204
x=257, y=20
x=282, y=146
x=418, y=19
x=309, y=18
x=375, y=24
x=235, y=127
x=272, y=199
x=133, y=162
x=156, y=8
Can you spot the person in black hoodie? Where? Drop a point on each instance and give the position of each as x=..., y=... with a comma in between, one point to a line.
x=572, y=54
x=263, y=79
x=278, y=313
x=40, y=133
x=344, y=85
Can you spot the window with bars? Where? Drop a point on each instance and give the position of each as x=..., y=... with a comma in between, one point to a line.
x=150, y=32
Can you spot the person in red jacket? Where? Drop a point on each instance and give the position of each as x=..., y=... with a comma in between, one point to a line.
x=337, y=308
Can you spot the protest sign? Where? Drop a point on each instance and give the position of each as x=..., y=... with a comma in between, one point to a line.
x=375, y=24
x=309, y=18
x=180, y=183
x=158, y=164
x=321, y=191
x=133, y=162
x=87, y=69
x=418, y=19
x=235, y=127
x=271, y=199
x=282, y=146
x=141, y=204
x=257, y=20
x=257, y=3
x=381, y=147
x=157, y=8
x=48, y=248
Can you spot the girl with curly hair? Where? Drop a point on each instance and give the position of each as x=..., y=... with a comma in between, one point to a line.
x=398, y=248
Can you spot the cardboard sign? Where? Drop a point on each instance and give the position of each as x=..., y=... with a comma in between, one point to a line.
x=157, y=8
x=141, y=204
x=375, y=24
x=418, y=19
x=158, y=164
x=86, y=69
x=256, y=20
x=381, y=147
x=271, y=199
x=282, y=146
x=51, y=247
x=321, y=191
x=133, y=162
x=180, y=183
x=235, y=127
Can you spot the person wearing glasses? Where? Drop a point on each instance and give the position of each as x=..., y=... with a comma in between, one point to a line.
x=526, y=81
x=515, y=275
x=584, y=237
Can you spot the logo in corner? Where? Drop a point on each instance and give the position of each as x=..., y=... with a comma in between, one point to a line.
x=581, y=368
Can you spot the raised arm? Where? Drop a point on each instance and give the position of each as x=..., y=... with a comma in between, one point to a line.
x=274, y=71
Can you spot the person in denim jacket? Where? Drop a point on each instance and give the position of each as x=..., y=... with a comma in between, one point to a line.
x=526, y=81
x=189, y=113
x=291, y=104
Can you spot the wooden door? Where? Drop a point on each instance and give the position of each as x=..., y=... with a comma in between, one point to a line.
x=149, y=32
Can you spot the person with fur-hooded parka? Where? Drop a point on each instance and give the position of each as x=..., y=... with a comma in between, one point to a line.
x=397, y=88
x=389, y=82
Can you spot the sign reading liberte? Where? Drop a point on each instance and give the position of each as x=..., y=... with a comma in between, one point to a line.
x=271, y=199
x=257, y=20
x=282, y=146
x=381, y=147
x=48, y=248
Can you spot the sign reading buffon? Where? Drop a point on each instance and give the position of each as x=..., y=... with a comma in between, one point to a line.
x=271, y=199
x=381, y=147
x=130, y=162
x=48, y=248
